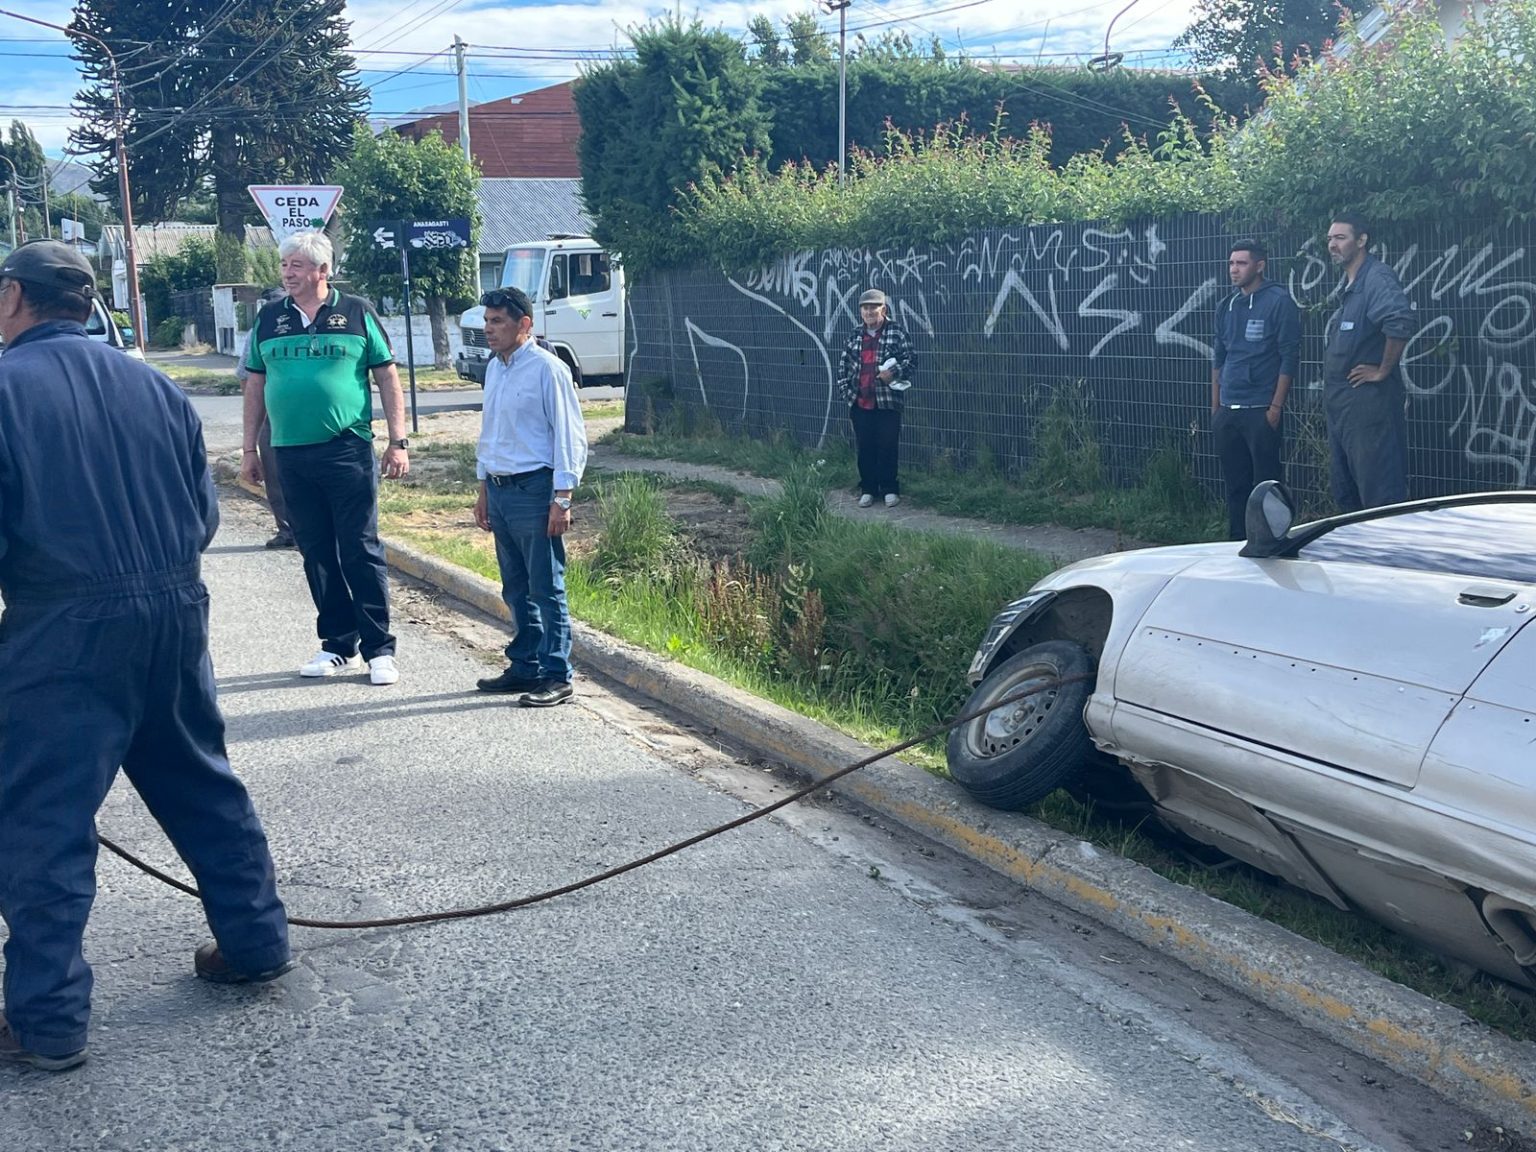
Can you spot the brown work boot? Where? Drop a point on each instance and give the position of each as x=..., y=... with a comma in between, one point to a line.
x=211, y=965
x=12, y=1052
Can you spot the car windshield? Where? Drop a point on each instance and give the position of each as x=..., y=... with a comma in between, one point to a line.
x=524, y=268
x=1495, y=541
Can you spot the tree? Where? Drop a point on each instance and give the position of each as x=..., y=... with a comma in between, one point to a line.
x=26, y=155
x=808, y=44
x=391, y=177
x=765, y=38
x=220, y=94
x=685, y=106
x=1247, y=37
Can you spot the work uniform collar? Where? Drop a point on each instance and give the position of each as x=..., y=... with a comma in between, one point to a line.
x=47, y=329
x=1365, y=266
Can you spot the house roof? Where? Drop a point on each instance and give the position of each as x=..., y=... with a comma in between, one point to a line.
x=514, y=211
x=167, y=239
x=531, y=136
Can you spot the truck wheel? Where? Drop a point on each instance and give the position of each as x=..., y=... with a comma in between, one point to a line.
x=1020, y=753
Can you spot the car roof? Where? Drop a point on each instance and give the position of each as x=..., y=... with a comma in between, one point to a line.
x=1492, y=541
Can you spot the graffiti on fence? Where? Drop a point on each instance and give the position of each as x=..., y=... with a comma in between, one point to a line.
x=1127, y=310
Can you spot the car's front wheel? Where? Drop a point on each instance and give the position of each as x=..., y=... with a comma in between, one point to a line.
x=1020, y=753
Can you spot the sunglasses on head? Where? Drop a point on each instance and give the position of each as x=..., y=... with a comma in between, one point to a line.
x=503, y=300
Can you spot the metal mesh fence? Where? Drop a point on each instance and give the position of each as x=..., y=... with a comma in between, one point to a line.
x=1103, y=331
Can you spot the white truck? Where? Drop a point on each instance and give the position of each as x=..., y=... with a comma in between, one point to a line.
x=577, y=291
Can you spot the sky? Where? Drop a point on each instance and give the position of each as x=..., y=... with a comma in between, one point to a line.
x=405, y=59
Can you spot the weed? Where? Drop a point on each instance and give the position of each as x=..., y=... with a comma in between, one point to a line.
x=638, y=538
x=1067, y=458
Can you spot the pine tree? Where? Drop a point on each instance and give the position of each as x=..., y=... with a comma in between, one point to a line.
x=217, y=96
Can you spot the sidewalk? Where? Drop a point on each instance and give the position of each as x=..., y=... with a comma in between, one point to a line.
x=1065, y=545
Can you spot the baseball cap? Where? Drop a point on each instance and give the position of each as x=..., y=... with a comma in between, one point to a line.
x=50, y=264
x=513, y=300
x=873, y=296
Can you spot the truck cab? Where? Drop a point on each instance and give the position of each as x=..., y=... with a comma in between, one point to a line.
x=577, y=291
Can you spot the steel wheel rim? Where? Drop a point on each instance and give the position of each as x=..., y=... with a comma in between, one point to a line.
x=1005, y=729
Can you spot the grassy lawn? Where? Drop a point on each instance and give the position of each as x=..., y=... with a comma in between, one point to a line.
x=866, y=628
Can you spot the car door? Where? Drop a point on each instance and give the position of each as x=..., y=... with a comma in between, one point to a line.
x=581, y=310
x=1346, y=664
x=1483, y=759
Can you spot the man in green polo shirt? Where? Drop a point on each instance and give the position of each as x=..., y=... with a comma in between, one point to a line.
x=308, y=363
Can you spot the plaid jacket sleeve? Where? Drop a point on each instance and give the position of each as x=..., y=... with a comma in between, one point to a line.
x=895, y=343
x=848, y=367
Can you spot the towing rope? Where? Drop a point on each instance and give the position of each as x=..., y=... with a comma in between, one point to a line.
x=660, y=854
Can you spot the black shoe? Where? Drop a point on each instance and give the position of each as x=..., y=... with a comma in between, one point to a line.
x=211, y=965
x=12, y=1052
x=509, y=682
x=282, y=540
x=547, y=695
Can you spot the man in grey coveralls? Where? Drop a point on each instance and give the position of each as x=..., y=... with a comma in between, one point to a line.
x=1362, y=388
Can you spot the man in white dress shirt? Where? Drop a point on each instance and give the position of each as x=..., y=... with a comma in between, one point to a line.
x=533, y=448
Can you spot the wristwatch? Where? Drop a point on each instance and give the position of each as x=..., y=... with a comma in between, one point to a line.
x=403, y=442
x=564, y=502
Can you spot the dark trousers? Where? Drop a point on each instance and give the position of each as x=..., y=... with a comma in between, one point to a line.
x=877, y=434
x=87, y=686
x=1249, y=451
x=333, y=508
x=532, y=564
x=269, y=470
x=1368, y=443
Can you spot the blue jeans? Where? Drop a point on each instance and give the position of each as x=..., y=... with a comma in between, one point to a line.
x=532, y=566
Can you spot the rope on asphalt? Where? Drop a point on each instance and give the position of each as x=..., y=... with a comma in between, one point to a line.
x=660, y=854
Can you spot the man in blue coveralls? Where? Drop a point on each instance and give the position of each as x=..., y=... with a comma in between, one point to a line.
x=106, y=505
x=1362, y=387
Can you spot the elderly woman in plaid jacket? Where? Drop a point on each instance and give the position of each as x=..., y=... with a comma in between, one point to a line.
x=874, y=372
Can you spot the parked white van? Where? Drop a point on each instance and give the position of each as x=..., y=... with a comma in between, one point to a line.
x=577, y=291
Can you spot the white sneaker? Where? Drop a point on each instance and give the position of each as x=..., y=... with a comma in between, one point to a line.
x=328, y=664
x=382, y=670
x=866, y=500
x=891, y=499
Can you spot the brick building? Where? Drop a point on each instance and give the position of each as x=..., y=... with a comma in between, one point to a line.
x=531, y=136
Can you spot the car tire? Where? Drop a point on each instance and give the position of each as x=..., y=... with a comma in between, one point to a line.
x=1021, y=753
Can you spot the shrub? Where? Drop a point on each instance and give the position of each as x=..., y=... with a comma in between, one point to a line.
x=168, y=332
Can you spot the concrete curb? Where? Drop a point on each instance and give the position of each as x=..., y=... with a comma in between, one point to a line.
x=1435, y=1044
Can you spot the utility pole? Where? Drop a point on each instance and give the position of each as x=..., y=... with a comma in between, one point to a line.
x=47, y=217
x=458, y=55
x=135, y=311
x=841, y=8
x=469, y=156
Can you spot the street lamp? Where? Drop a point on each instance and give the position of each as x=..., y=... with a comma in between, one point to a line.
x=841, y=8
x=123, y=189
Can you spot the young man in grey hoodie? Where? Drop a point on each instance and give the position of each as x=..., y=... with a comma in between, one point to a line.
x=1253, y=361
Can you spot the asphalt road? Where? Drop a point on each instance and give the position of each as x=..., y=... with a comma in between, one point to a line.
x=797, y=984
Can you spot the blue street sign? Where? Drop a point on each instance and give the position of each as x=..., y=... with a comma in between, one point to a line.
x=434, y=235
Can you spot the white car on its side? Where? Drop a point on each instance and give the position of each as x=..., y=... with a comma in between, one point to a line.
x=1348, y=704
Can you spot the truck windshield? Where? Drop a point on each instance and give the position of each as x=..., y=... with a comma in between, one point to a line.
x=524, y=268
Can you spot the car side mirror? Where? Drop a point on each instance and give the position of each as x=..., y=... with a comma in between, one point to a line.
x=1268, y=518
